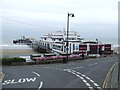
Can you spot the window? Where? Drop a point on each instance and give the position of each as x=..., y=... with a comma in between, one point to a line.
x=60, y=39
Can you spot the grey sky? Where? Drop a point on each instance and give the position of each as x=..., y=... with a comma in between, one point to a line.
x=33, y=18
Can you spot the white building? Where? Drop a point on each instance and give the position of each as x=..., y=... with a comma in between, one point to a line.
x=57, y=41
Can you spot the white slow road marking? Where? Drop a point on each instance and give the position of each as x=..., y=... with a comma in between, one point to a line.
x=40, y=86
x=19, y=81
x=36, y=73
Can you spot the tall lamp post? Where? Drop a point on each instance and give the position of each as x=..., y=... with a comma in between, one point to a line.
x=67, y=44
x=97, y=48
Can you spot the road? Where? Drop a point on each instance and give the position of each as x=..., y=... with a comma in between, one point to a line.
x=89, y=73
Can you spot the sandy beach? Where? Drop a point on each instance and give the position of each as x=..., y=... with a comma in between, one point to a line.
x=15, y=52
x=18, y=52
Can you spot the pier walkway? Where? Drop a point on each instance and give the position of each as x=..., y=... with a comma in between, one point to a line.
x=35, y=45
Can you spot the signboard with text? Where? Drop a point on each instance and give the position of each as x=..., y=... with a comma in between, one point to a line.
x=82, y=47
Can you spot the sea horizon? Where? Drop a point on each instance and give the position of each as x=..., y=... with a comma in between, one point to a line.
x=14, y=46
x=9, y=45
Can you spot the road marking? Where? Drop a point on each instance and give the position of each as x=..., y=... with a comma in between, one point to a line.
x=77, y=75
x=87, y=77
x=13, y=81
x=95, y=63
x=36, y=73
x=6, y=82
x=105, y=83
x=91, y=88
x=81, y=67
x=31, y=79
x=21, y=80
x=83, y=75
x=99, y=88
x=82, y=78
x=40, y=86
x=78, y=72
x=73, y=73
x=88, y=84
x=73, y=70
x=91, y=81
x=47, y=67
x=90, y=65
x=84, y=81
x=76, y=67
x=95, y=84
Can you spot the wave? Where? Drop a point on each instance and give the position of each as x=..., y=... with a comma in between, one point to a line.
x=13, y=46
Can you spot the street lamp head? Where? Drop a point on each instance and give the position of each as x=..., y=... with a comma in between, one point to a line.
x=72, y=15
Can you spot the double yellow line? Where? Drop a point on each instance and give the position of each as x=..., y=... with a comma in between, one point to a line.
x=105, y=83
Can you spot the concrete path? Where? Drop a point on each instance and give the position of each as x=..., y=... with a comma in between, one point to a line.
x=114, y=77
x=1, y=76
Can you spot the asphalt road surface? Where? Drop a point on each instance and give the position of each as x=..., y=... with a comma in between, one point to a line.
x=89, y=73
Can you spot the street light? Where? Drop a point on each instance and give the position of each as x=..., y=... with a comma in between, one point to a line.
x=97, y=48
x=67, y=44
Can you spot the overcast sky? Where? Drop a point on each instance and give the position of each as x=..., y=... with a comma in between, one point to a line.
x=33, y=18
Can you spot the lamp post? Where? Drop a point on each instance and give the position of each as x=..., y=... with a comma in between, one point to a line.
x=97, y=48
x=67, y=44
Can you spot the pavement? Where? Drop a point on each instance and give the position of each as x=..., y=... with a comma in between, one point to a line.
x=114, y=77
x=89, y=73
x=111, y=80
x=1, y=76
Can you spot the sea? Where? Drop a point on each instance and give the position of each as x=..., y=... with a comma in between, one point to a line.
x=15, y=48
